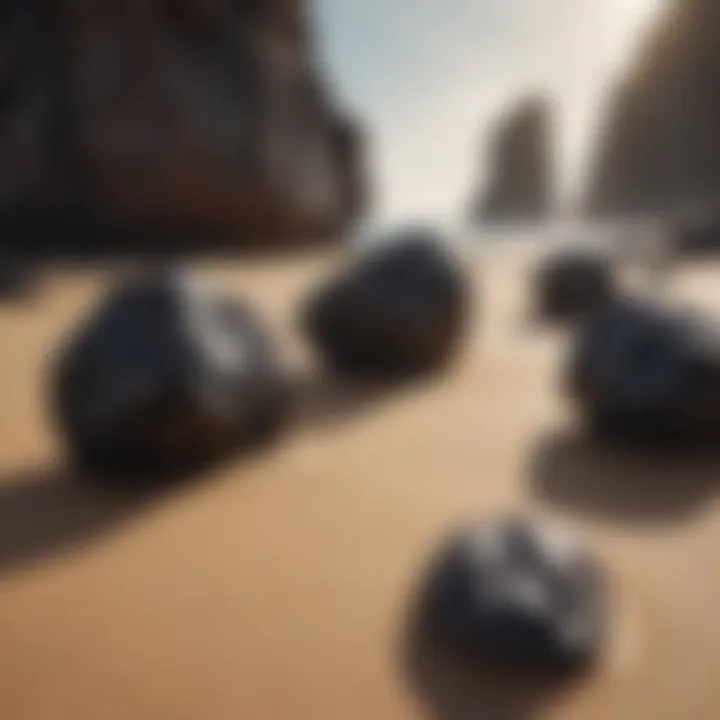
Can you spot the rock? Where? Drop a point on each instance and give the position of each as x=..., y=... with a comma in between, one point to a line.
x=697, y=232
x=167, y=373
x=516, y=595
x=400, y=310
x=180, y=116
x=659, y=151
x=644, y=373
x=18, y=279
x=520, y=183
x=573, y=285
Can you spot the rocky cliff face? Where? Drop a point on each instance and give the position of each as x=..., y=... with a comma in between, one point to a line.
x=180, y=114
x=660, y=150
x=520, y=180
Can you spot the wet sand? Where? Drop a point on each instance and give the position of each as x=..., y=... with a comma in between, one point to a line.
x=278, y=585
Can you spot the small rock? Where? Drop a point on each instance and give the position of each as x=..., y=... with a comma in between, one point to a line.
x=573, y=285
x=167, y=373
x=520, y=596
x=400, y=310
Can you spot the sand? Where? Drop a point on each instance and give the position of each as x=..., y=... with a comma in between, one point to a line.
x=278, y=586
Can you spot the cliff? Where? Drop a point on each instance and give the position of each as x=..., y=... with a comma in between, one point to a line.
x=659, y=152
x=520, y=183
x=189, y=116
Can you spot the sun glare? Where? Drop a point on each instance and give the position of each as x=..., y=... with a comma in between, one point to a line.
x=638, y=9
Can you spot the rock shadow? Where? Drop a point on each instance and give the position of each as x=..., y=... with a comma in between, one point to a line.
x=589, y=476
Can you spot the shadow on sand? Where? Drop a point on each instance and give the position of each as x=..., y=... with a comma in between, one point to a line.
x=50, y=511
x=585, y=475
x=47, y=511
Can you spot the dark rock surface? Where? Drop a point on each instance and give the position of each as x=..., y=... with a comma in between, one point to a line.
x=696, y=232
x=644, y=373
x=520, y=184
x=400, y=309
x=18, y=279
x=659, y=150
x=573, y=284
x=168, y=372
x=183, y=116
x=520, y=596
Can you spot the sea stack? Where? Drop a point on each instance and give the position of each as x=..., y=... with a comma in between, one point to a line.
x=520, y=183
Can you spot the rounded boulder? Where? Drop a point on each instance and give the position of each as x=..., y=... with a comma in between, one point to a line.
x=642, y=372
x=400, y=309
x=168, y=371
x=520, y=596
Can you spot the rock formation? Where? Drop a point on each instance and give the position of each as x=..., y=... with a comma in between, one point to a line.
x=207, y=115
x=520, y=184
x=659, y=151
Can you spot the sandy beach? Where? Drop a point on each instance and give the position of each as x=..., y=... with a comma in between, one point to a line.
x=277, y=587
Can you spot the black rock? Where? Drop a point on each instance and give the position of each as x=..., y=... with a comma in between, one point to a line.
x=573, y=284
x=168, y=372
x=517, y=596
x=401, y=309
x=642, y=372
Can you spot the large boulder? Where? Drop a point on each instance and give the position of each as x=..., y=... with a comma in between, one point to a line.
x=520, y=596
x=185, y=116
x=166, y=373
x=400, y=309
x=573, y=284
x=642, y=372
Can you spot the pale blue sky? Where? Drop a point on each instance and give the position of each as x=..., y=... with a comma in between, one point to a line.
x=428, y=75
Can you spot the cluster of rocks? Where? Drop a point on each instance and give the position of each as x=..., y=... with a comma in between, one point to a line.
x=169, y=372
x=640, y=371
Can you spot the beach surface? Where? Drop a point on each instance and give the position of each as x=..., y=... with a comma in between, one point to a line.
x=279, y=585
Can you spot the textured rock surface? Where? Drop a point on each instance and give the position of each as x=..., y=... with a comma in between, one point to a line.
x=641, y=372
x=181, y=114
x=659, y=151
x=520, y=179
x=400, y=309
x=519, y=596
x=166, y=373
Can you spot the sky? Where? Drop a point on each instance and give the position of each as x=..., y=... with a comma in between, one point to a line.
x=429, y=77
